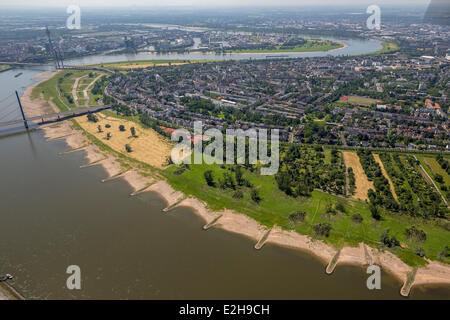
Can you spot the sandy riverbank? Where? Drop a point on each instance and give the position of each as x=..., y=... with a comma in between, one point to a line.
x=434, y=273
x=36, y=107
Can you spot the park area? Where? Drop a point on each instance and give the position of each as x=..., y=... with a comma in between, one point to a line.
x=359, y=101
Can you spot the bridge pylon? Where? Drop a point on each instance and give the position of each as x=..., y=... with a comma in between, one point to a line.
x=21, y=110
x=59, y=63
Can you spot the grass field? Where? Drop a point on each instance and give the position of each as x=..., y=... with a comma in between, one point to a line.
x=4, y=67
x=275, y=208
x=327, y=154
x=49, y=90
x=310, y=46
x=435, y=167
x=432, y=167
x=357, y=100
x=59, y=87
x=387, y=47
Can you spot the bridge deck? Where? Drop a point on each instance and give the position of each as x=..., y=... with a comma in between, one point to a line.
x=58, y=116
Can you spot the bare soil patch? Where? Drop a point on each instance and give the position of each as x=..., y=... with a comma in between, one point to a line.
x=362, y=183
x=147, y=146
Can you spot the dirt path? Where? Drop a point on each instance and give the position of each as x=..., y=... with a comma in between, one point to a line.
x=363, y=185
x=342, y=137
x=385, y=174
x=427, y=176
x=61, y=100
x=74, y=90
x=85, y=91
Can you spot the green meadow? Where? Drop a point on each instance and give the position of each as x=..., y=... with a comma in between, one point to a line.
x=309, y=46
x=275, y=208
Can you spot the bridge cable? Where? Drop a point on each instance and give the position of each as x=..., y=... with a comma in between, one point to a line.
x=6, y=97
x=8, y=114
x=5, y=106
x=8, y=107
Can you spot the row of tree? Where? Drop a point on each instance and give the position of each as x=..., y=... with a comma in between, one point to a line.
x=303, y=169
x=233, y=179
x=382, y=195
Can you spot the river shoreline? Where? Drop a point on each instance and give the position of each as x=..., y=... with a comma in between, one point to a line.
x=275, y=52
x=434, y=273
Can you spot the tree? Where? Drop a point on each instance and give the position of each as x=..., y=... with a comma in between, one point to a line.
x=375, y=213
x=209, y=178
x=227, y=181
x=169, y=160
x=322, y=229
x=388, y=241
x=330, y=209
x=420, y=252
x=239, y=176
x=297, y=217
x=445, y=253
x=340, y=206
x=128, y=148
x=415, y=234
x=238, y=194
x=357, y=218
x=255, y=195
x=92, y=118
x=122, y=127
x=133, y=132
x=439, y=178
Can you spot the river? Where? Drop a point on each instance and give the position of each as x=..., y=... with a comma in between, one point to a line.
x=54, y=214
x=353, y=47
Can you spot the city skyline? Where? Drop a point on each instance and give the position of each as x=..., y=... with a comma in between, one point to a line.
x=205, y=3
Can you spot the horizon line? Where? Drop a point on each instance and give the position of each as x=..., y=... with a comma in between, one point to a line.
x=29, y=7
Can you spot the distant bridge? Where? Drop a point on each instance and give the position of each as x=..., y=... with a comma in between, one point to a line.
x=54, y=51
x=56, y=117
x=34, y=64
x=23, y=63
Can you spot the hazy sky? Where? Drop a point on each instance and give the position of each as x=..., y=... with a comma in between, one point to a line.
x=209, y=3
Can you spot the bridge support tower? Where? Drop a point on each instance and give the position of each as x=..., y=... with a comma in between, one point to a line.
x=21, y=110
